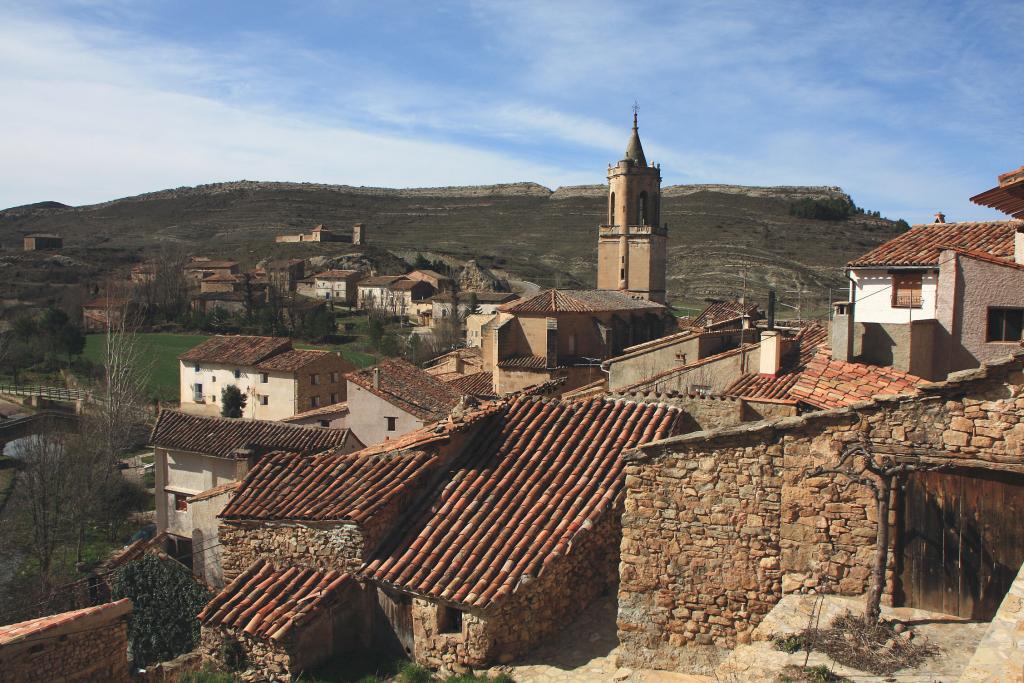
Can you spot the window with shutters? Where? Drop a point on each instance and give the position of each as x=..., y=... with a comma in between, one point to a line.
x=906, y=290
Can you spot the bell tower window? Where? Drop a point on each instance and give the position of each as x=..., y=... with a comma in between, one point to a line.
x=641, y=209
x=611, y=209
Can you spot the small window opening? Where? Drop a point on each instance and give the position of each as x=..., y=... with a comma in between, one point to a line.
x=449, y=619
x=392, y=423
x=1005, y=324
x=238, y=374
x=180, y=502
x=264, y=378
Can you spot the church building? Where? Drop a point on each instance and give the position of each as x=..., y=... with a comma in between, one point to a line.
x=631, y=249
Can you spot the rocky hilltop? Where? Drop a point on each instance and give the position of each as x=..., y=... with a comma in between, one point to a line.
x=723, y=239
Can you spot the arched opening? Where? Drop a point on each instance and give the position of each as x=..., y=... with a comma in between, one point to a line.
x=611, y=209
x=641, y=209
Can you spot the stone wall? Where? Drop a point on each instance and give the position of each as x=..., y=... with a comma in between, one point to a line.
x=700, y=412
x=96, y=654
x=536, y=611
x=717, y=525
x=327, y=546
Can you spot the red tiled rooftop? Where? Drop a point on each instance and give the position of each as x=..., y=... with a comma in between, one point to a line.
x=213, y=492
x=523, y=362
x=405, y=386
x=236, y=349
x=380, y=281
x=475, y=384
x=268, y=603
x=826, y=383
x=331, y=409
x=221, y=436
x=758, y=386
x=516, y=497
x=210, y=264
x=296, y=359
x=54, y=624
x=921, y=245
x=580, y=301
x=719, y=312
x=336, y=274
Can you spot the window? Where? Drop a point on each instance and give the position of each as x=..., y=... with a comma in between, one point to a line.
x=906, y=290
x=213, y=379
x=180, y=502
x=335, y=376
x=392, y=423
x=314, y=401
x=197, y=393
x=238, y=374
x=1005, y=324
x=196, y=367
x=264, y=378
x=325, y=423
x=611, y=210
x=264, y=400
x=641, y=209
x=334, y=398
x=213, y=398
x=449, y=619
x=314, y=379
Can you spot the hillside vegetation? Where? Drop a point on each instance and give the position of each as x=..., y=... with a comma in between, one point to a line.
x=723, y=239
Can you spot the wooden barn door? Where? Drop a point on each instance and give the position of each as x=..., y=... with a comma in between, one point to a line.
x=395, y=627
x=962, y=541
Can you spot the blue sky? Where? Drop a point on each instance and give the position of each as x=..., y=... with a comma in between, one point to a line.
x=912, y=107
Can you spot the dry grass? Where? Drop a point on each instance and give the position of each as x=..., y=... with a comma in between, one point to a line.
x=877, y=649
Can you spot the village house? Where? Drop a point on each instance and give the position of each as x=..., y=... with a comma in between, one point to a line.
x=199, y=460
x=461, y=545
x=200, y=267
x=336, y=286
x=282, y=274
x=143, y=273
x=320, y=233
x=455, y=363
x=936, y=299
x=440, y=283
x=392, y=294
x=487, y=303
x=719, y=525
x=223, y=303
x=89, y=644
x=394, y=398
x=277, y=380
x=475, y=328
x=39, y=241
x=564, y=334
x=104, y=312
x=333, y=416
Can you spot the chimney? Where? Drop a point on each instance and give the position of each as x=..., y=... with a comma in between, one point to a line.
x=771, y=352
x=376, y=378
x=771, y=309
x=940, y=217
x=460, y=364
x=1018, y=245
x=842, y=331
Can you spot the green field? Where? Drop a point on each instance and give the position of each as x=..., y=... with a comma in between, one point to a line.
x=160, y=352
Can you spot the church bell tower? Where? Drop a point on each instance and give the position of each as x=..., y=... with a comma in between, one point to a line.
x=631, y=246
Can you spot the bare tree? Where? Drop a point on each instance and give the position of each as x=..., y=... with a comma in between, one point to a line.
x=859, y=464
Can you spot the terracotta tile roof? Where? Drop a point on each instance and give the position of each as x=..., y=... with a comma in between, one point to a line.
x=989, y=258
x=236, y=349
x=214, y=492
x=223, y=277
x=296, y=359
x=328, y=487
x=720, y=312
x=920, y=246
x=66, y=622
x=268, y=603
x=472, y=356
x=211, y=264
x=827, y=383
x=517, y=496
x=336, y=275
x=332, y=409
x=380, y=281
x=476, y=384
x=755, y=385
x=519, y=362
x=431, y=273
x=580, y=301
x=405, y=386
x=221, y=436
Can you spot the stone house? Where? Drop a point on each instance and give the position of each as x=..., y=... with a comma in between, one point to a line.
x=487, y=302
x=104, y=312
x=565, y=334
x=89, y=644
x=283, y=274
x=440, y=283
x=320, y=233
x=229, y=303
x=197, y=461
x=718, y=525
x=38, y=241
x=376, y=292
x=277, y=380
x=409, y=294
x=338, y=286
x=394, y=398
x=936, y=299
x=199, y=268
x=472, y=541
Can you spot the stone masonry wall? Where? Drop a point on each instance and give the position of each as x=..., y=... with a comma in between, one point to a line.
x=718, y=525
x=263, y=660
x=700, y=412
x=99, y=654
x=329, y=546
x=537, y=610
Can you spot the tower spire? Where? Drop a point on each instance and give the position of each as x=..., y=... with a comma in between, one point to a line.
x=634, y=150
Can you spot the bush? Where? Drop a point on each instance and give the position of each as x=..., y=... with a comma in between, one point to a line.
x=166, y=601
x=414, y=673
x=822, y=209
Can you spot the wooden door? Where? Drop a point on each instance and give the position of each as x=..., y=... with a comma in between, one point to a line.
x=962, y=541
x=395, y=625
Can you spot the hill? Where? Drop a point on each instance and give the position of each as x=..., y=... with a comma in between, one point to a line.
x=723, y=239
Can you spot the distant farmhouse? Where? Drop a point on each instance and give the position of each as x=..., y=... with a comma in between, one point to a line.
x=322, y=233
x=39, y=241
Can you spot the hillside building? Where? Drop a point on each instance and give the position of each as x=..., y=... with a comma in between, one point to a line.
x=38, y=241
x=283, y=274
x=631, y=246
x=337, y=286
x=200, y=268
x=320, y=233
x=277, y=380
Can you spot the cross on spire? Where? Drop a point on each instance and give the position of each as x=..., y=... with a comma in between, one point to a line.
x=636, y=108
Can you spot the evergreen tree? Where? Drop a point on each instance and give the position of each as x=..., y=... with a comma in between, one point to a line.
x=232, y=401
